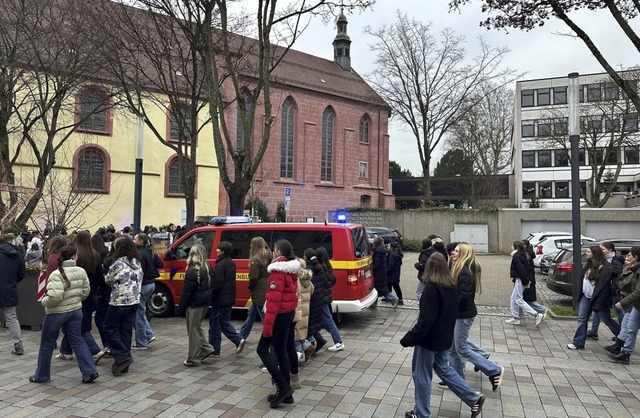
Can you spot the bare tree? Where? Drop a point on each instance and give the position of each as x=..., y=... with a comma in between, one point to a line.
x=528, y=14
x=156, y=63
x=484, y=131
x=239, y=70
x=429, y=81
x=47, y=61
x=608, y=122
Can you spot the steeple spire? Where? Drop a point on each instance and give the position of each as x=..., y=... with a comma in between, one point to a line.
x=342, y=43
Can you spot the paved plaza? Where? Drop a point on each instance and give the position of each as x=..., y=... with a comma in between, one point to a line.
x=370, y=378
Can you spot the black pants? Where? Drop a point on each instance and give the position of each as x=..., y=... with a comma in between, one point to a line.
x=117, y=327
x=278, y=362
x=396, y=287
x=291, y=349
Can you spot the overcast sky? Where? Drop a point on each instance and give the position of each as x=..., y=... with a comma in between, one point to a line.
x=541, y=53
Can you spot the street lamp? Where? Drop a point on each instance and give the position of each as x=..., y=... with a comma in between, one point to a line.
x=137, y=193
x=574, y=139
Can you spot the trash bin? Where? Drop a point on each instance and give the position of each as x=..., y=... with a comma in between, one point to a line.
x=30, y=312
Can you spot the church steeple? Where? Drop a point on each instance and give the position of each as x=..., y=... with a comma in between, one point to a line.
x=342, y=44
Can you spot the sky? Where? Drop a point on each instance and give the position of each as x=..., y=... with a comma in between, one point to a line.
x=540, y=53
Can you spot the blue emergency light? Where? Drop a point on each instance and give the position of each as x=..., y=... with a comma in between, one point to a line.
x=342, y=217
x=224, y=220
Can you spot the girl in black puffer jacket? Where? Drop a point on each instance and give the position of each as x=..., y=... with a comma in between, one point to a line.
x=521, y=278
x=196, y=297
x=394, y=267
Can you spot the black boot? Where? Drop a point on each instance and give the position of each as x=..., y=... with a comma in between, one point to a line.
x=283, y=393
x=620, y=357
x=615, y=347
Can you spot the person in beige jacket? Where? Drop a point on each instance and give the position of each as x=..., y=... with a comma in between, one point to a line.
x=67, y=287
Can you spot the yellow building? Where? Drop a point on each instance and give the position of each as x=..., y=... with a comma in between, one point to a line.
x=92, y=183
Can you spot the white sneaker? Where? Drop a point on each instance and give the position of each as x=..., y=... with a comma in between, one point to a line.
x=300, y=357
x=572, y=347
x=539, y=318
x=513, y=321
x=336, y=347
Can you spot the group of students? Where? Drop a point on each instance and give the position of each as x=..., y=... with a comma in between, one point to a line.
x=449, y=281
x=83, y=276
x=291, y=295
x=610, y=281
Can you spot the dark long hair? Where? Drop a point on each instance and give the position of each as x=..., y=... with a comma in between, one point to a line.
x=66, y=253
x=88, y=258
x=594, y=263
x=285, y=248
x=323, y=259
x=123, y=247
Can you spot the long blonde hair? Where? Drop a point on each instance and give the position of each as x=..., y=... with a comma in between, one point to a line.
x=197, y=259
x=467, y=257
x=259, y=251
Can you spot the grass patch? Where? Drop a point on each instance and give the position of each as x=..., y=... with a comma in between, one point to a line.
x=564, y=311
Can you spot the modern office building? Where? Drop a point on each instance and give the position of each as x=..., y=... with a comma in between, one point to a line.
x=609, y=141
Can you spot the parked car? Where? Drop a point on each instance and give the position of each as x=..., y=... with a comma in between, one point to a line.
x=388, y=234
x=561, y=268
x=535, y=237
x=552, y=244
x=546, y=261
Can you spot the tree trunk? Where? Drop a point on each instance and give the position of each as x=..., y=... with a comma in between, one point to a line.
x=426, y=182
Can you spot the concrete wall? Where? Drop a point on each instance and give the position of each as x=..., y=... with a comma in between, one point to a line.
x=504, y=226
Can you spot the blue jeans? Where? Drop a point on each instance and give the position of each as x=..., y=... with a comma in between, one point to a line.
x=424, y=363
x=389, y=297
x=85, y=329
x=144, y=333
x=630, y=330
x=461, y=352
x=329, y=325
x=595, y=323
x=251, y=318
x=584, y=311
x=117, y=328
x=475, y=347
x=69, y=322
x=218, y=325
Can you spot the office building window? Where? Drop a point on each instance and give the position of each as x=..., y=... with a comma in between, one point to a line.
x=594, y=92
x=527, y=98
x=544, y=97
x=630, y=122
x=528, y=128
x=613, y=156
x=544, y=189
x=544, y=127
x=631, y=156
x=528, y=189
x=582, y=157
x=559, y=95
x=612, y=124
x=561, y=126
x=562, y=189
x=544, y=158
x=528, y=159
x=611, y=91
x=561, y=158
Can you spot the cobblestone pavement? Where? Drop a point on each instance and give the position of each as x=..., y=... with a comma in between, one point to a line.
x=371, y=377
